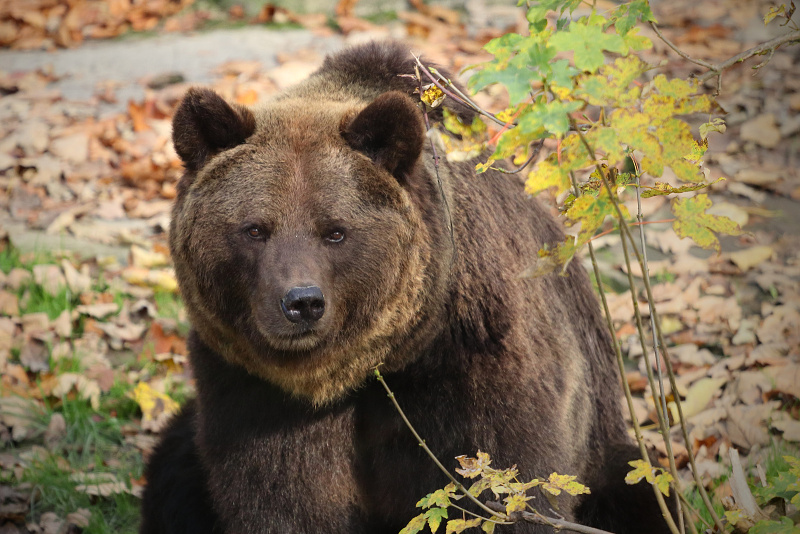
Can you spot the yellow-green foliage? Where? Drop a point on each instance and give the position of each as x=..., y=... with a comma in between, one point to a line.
x=636, y=119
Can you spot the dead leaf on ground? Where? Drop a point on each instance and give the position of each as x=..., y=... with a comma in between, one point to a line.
x=99, y=484
x=747, y=425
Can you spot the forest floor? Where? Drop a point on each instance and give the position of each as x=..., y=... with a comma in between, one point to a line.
x=92, y=330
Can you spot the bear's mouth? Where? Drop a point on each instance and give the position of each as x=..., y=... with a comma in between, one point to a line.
x=300, y=341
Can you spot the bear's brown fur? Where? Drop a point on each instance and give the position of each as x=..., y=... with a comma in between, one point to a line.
x=312, y=241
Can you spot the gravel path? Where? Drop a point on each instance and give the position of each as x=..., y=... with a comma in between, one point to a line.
x=130, y=59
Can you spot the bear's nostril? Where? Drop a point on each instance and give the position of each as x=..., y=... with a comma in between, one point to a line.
x=303, y=304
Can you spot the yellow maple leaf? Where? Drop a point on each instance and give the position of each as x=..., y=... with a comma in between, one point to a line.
x=156, y=407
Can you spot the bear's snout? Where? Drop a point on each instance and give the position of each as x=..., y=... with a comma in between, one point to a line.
x=303, y=304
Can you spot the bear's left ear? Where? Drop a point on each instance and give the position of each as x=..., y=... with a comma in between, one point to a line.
x=205, y=124
x=390, y=131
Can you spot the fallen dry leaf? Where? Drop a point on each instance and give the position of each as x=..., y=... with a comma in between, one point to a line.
x=99, y=484
x=156, y=407
x=746, y=425
x=698, y=397
x=85, y=388
x=749, y=258
x=761, y=130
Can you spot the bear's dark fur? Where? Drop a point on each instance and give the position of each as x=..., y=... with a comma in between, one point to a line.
x=312, y=243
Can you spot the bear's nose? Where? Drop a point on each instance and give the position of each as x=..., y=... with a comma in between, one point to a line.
x=303, y=304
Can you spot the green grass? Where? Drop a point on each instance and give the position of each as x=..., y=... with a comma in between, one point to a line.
x=9, y=259
x=39, y=300
x=93, y=443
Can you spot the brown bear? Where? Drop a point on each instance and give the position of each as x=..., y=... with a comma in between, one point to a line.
x=314, y=240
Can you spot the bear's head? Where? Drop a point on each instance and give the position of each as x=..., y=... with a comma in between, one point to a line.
x=303, y=236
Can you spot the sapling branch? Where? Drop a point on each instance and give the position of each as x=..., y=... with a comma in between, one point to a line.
x=661, y=409
x=715, y=70
x=625, y=387
x=625, y=229
x=459, y=486
x=504, y=519
x=661, y=414
x=459, y=96
x=527, y=162
x=557, y=524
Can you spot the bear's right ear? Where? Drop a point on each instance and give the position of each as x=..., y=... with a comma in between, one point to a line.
x=205, y=124
x=390, y=131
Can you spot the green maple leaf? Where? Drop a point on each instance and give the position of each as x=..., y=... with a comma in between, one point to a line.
x=612, y=83
x=716, y=124
x=591, y=211
x=516, y=503
x=539, y=9
x=605, y=139
x=662, y=483
x=676, y=139
x=514, y=75
x=518, y=61
x=435, y=516
x=693, y=222
x=561, y=73
x=438, y=498
x=734, y=516
x=774, y=12
x=587, y=42
x=548, y=174
x=676, y=88
x=627, y=15
x=634, y=129
x=550, y=116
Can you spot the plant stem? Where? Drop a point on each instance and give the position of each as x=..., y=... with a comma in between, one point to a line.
x=432, y=456
x=627, y=233
x=625, y=387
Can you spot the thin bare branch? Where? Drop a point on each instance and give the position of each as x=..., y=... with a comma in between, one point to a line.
x=432, y=456
x=625, y=387
x=532, y=157
x=539, y=519
x=461, y=97
x=678, y=51
x=767, y=47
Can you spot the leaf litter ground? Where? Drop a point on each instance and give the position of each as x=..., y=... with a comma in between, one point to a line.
x=92, y=332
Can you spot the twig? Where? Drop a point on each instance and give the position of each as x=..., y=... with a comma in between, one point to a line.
x=558, y=524
x=670, y=372
x=662, y=414
x=432, y=456
x=530, y=517
x=678, y=51
x=462, y=98
x=438, y=177
x=527, y=161
x=716, y=70
x=770, y=45
x=625, y=387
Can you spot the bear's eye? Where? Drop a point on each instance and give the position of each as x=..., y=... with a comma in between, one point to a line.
x=254, y=232
x=335, y=237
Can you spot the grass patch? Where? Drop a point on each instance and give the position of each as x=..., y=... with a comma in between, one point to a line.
x=93, y=443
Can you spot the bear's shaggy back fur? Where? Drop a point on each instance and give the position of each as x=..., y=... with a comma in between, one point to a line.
x=331, y=189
